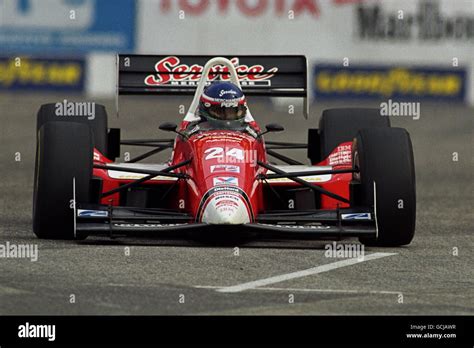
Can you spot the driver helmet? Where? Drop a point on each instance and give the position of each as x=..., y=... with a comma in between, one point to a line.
x=223, y=101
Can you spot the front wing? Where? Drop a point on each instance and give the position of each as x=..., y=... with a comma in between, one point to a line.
x=119, y=221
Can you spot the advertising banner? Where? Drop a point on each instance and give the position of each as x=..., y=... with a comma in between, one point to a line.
x=41, y=74
x=388, y=30
x=67, y=26
x=383, y=82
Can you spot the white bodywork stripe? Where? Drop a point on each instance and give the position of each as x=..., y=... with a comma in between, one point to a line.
x=299, y=168
x=375, y=212
x=115, y=174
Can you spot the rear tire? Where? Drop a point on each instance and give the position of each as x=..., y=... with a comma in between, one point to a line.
x=337, y=126
x=47, y=113
x=64, y=151
x=385, y=156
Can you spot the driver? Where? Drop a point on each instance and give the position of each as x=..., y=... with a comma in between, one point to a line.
x=223, y=106
x=223, y=101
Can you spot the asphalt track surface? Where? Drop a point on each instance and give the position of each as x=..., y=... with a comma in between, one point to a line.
x=433, y=275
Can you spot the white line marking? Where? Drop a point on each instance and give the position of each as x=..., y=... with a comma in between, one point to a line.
x=6, y=290
x=304, y=273
x=349, y=291
x=375, y=212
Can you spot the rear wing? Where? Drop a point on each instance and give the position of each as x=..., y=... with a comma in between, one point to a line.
x=273, y=76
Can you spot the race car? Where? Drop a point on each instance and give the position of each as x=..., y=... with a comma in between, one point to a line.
x=221, y=177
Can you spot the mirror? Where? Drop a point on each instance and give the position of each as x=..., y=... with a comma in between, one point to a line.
x=168, y=127
x=274, y=127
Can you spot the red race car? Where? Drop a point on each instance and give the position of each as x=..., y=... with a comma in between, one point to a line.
x=361, y=181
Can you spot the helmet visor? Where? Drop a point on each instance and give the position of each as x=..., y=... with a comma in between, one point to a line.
x=227, y=113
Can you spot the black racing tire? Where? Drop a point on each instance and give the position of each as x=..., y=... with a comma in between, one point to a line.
x=64, y=151
x=337, y=126
x=385, y=156
x=47, y=113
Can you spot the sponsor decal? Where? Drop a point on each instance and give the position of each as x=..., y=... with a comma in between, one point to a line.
x=248, y=8
x=170, y=70
x=228, y=102
x=220, y=135
x=228, y=203
x=225, y=168
x=147, y=225
x=428, y=23
x=228, y=192
x=302, y=168
x=313, y=178
x=226, y=180
x=356, y=216
x=36, y=26
x=96, y=155
x=41, y=74
x=233, y=103
x=224, y=189
x=224, y=92
x=92, y=213
x=115, y=174
x=225, y=209
x=331, y=81
x=341, y=156
x=296, y=227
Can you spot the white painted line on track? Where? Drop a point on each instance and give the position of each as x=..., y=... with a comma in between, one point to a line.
x=6, y=290
x=349, y=291
x=342, y=291
x=299, y=274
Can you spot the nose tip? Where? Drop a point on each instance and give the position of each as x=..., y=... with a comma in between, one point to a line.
x=225, y=212
x=227, y=218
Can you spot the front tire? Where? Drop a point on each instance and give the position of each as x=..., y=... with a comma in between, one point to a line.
x=64, y=151
x=384, y=156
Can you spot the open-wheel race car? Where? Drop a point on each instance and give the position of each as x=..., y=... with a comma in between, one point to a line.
x=359, y=180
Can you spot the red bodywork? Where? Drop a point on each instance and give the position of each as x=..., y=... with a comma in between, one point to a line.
x=220, y=154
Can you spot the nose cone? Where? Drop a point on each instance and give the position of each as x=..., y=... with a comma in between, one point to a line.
x=226, y=209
